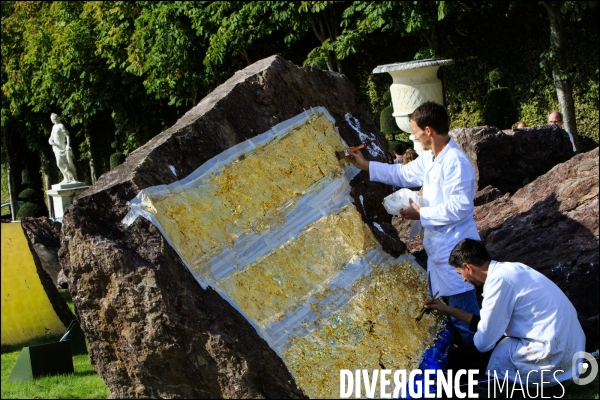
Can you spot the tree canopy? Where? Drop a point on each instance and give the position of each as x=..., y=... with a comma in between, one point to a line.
x=120, y=72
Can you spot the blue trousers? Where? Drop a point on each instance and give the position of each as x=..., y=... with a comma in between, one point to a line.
x=466, y=301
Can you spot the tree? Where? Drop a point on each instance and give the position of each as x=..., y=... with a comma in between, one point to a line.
x=248, y=31
x=325, y=18
x=404, y=17
x=556, y=56
x=139, y=79
x=16, y=117
x=163, y=49
x=124, y=71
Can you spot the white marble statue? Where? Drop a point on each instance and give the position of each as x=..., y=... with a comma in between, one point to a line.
x=60, y=141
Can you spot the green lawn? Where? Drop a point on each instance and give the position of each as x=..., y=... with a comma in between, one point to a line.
x=84, y=383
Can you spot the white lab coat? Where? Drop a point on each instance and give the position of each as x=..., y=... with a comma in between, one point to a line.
x=449, y=187
x=538, y=319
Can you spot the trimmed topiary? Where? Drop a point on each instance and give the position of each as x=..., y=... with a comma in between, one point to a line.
x=116, y=159
x=25, y=179
x=424, y=54
x=499, y=110
x=31, y=210
x=28, y=195
x=34, y=203
x=495, y=77
x=387, y=96
x=388, y=122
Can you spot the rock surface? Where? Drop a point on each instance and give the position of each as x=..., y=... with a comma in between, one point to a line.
x=414, y=245
x=551, y=225
x=486, y=195
x=61, y=280
x=43, y=236
x=508, y=160
x=152, y=330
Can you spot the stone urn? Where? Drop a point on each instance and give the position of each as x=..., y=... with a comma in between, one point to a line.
x=415, y=82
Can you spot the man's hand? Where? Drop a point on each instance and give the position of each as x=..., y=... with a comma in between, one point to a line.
x=356, y=158
x=444, y=309
x=438, y=306
x=413, y=212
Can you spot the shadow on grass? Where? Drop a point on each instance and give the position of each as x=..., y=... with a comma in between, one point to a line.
x=9, y=348
x=85, y=373
x=65, y=294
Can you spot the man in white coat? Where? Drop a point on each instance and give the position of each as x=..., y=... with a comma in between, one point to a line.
x=527, y=324
x=446, y=212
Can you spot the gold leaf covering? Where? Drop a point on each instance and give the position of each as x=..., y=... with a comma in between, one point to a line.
x=326, y=298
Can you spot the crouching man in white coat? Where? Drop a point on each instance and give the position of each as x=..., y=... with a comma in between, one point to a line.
x=447, y=208
x=527, y=324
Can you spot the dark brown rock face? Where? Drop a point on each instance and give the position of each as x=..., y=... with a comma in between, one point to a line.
x=508, y=160
x=43, y=237
x=551, y=225
x=414, y=245
x=61, y=280
x=486, y=195
x=152, y=330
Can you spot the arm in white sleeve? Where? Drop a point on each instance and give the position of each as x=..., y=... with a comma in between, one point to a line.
x=409, y=175
x=458, y=194
x=496, y=311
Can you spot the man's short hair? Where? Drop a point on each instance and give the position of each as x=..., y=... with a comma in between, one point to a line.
x=557, y=113
x=433, y=115
x=469, y=251
x=398, y=148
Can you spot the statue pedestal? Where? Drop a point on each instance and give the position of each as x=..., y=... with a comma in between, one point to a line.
x=63, y=195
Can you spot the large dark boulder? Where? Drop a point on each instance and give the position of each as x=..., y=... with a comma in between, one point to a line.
x=551, y=225
x=508, y=160
x=152, y=330
x=43, y=237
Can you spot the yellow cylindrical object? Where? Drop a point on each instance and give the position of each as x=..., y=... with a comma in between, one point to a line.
x=26, y=310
